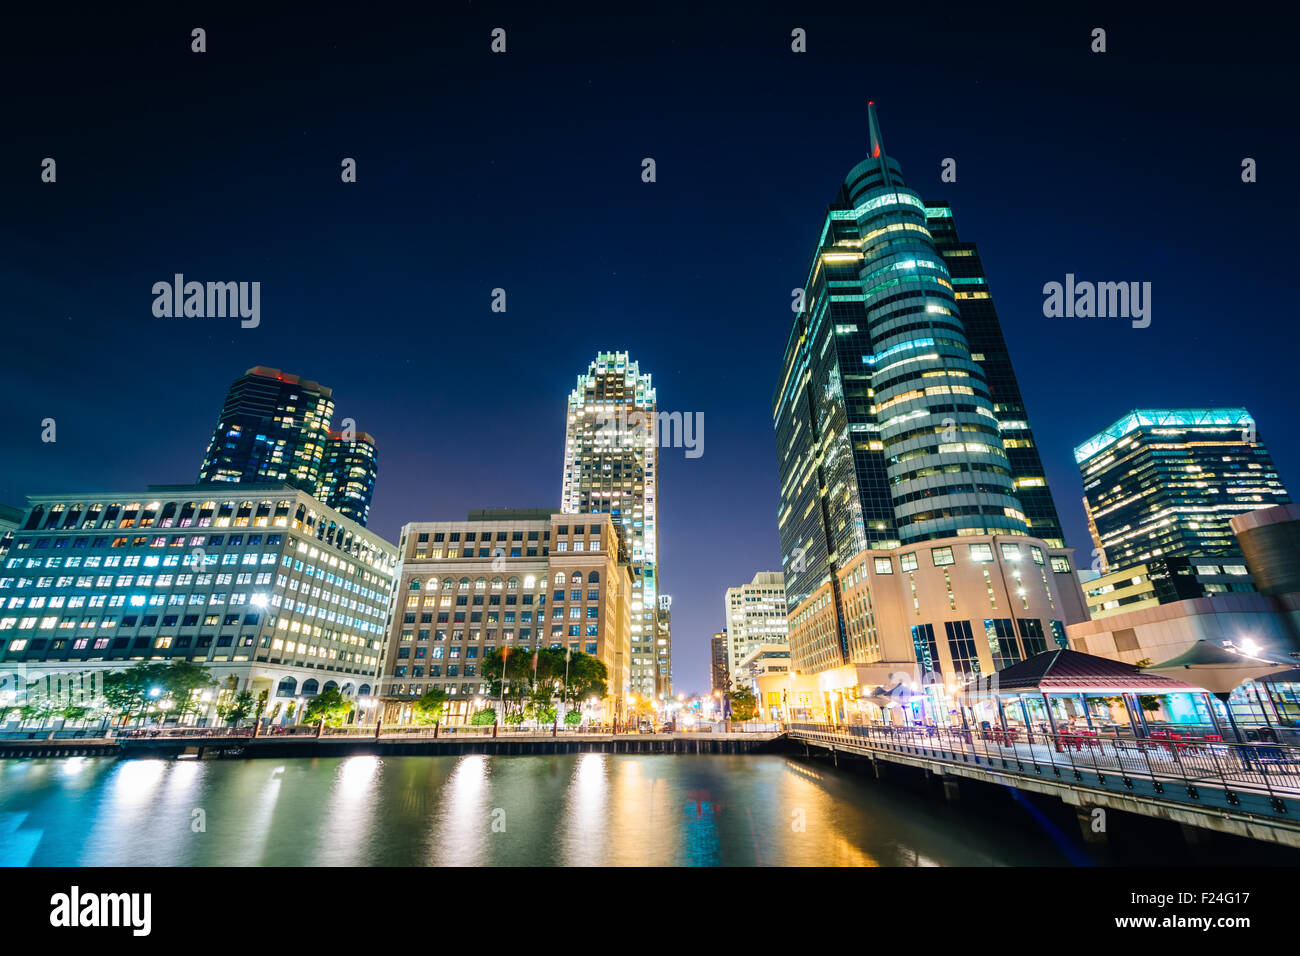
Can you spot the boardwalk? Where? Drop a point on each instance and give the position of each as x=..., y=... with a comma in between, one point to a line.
x=1252, y=790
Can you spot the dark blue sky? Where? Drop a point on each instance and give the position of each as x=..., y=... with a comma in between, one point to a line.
x=522, y=171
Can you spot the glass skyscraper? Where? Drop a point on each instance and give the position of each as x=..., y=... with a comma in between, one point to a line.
x=610, y=455
x=275, y=426
x=347, y=475
x=892, y=403
x=989, y=351
x=1167, y=481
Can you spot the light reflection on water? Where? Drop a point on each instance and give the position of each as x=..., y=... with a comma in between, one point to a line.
x=570, y=810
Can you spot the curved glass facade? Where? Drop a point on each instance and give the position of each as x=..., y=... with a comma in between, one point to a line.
x=887, y=430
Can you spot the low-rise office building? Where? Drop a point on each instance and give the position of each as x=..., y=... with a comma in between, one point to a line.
x=261, y=582
x=522, y=579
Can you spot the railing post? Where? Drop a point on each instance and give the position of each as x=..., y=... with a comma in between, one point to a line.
x=378, y=726
x=494, y=728
x=435, y=730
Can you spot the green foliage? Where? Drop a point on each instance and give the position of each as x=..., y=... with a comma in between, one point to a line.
x=524, y=683
x=588, y=677
x=236, y=707
x=428, y=709
x=573, y=717
x=544, y=714
x=484, y=716
x=329, y=705
x=744, y=705
x=155, y=686
x=514, y=718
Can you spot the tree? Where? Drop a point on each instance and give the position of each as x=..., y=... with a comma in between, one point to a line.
x=234, y=709
x=329, y=705
x=182, y=682
x=428, y=709
x=744, y=705
x=518, y=676
x=588, y=677
x=139, y=690
x=541, y=711
x=573, y=717
x=484, y=716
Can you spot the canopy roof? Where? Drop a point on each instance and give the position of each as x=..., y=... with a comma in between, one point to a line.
x=1215, y=668
x=1071, y=672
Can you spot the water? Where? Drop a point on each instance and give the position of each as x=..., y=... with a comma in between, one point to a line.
x=571, y=810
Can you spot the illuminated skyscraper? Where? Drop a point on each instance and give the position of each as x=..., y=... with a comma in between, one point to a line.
x=1167, y=481
x=910, y=533
x=610, y=468
x=276, y=427
x=347, y=476
x=886, y=427
x=988, y=349
x=273, y=427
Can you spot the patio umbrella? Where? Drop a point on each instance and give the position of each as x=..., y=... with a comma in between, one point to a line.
x=1218, y=670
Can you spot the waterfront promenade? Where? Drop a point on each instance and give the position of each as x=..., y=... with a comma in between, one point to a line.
x=1250, y=790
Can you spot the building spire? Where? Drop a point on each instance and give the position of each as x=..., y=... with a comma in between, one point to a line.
x=877, y=148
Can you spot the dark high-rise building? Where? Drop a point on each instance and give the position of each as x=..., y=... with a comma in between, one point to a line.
x=989, y=351
x=273, y=427
x=1167, y=481
x=347, y=476
x=719, y=673
x=276, y=427
x=887, y=424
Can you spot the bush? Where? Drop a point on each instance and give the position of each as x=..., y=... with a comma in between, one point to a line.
x=573, y=717
x=486, y=715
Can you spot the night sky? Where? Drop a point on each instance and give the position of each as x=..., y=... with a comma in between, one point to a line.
x=523, y=171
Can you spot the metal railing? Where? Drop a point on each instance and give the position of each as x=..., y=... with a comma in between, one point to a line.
x=1270, y=768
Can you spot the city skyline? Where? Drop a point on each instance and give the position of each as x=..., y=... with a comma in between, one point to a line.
x=1035, y=204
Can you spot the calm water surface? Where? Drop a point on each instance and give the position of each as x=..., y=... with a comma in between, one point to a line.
x=570, y=810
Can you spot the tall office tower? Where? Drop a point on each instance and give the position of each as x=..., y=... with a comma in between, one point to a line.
x=755, y=614
x=276, y=427
x=988, y=349
x=664, y=647
x=906, y=545
x=610, y=468
x=719, y=673
x=885, y=425
x=1166, y=481
x=273, y=427
x=347, y=475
